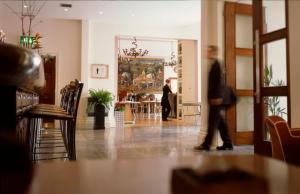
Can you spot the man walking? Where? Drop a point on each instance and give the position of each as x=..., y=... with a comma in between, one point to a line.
x=215, y=99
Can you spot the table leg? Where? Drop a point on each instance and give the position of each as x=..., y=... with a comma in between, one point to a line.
x=128, y=114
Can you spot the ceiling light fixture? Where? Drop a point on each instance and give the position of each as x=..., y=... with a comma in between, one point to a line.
x=25, y=6
x=134, y=51
x=101, y=12
x=133, y=15
x=66, y=9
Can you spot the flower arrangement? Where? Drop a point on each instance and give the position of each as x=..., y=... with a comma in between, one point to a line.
x=36, y=41
x=119, y=107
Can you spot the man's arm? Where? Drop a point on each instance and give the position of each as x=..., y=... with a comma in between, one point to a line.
x=170, y=91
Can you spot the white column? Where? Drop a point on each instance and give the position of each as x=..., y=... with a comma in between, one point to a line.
x=85, y=44
x=208, y=37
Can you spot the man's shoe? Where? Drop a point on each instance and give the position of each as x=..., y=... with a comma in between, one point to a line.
x=201, y=148
x=225, y=147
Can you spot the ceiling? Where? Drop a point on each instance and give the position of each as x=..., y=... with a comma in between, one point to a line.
x=165, y=12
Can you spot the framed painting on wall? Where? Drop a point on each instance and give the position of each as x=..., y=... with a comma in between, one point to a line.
x=99, y=71
x=140, y=75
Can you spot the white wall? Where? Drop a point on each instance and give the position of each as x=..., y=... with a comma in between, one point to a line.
x=102, y=48
x=294, y=46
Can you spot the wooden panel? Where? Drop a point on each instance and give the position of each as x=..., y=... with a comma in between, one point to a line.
x=230, y=61
x=272, y=36
x=243, y=9
x=47, y=94
x=275, y=91
x=245, y=92
x=244, y=52
x=245, y=138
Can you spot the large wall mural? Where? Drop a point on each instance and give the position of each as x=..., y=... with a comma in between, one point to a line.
x=140, y=75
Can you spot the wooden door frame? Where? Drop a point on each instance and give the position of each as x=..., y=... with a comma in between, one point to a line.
x=231, y=9
x=262, y=146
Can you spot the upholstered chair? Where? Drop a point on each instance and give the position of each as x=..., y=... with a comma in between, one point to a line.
x=285, y=141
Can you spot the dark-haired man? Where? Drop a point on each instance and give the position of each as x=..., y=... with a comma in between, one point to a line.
x=166, y=108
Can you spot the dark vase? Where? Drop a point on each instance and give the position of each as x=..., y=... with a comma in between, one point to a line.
x=99, y=117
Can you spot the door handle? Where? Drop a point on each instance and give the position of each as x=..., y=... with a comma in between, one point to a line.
x=257, y=67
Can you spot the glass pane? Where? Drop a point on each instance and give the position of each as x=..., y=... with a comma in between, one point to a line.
x=245, y=114
x=275, y=105
x=243, y=31
x=274, y=15
x=244, y=73
x=274, y=63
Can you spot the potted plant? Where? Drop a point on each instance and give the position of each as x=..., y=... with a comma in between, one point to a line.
x=99, y=100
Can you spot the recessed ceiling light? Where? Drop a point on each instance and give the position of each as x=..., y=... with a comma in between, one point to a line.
x=66, y=6
x=101, y=12
x=25, y=6
x=133, y=15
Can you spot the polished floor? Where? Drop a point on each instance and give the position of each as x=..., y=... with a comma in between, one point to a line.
x=148, y=138
x=145, y=139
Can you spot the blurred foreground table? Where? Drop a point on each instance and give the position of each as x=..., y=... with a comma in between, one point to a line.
x=150, y=176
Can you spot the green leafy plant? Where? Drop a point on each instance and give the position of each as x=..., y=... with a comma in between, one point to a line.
x=273, y=102
x=97, y=97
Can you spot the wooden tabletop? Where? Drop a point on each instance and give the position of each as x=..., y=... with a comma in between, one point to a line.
x=150, y=176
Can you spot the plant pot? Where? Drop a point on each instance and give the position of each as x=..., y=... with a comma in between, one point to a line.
x=99, y=122
x=119, y=117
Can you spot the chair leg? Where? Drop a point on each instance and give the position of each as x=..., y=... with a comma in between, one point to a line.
x=71, y=140
x=63, y=127
x=30, y=137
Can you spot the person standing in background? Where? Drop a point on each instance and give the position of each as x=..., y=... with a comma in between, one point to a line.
x=216, y=120
x=166, y=108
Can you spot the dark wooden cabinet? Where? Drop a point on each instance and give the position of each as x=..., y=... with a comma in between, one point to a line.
x=14, y=103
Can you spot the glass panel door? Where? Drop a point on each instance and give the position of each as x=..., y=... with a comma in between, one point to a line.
x=271, y=68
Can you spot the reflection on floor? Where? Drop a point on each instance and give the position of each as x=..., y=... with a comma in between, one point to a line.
x=147, y=138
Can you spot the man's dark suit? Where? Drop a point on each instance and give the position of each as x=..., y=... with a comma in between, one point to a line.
x=166, y=108
x=215, y=119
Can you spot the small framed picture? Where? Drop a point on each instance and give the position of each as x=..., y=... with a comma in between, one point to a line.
x=99, y=71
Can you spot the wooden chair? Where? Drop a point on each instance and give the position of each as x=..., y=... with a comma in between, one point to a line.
x=285, y=141
x=66, y=113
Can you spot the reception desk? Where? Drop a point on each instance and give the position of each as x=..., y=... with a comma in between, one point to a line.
x=129, y=115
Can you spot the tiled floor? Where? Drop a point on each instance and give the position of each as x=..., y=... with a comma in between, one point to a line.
x=143, y=140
